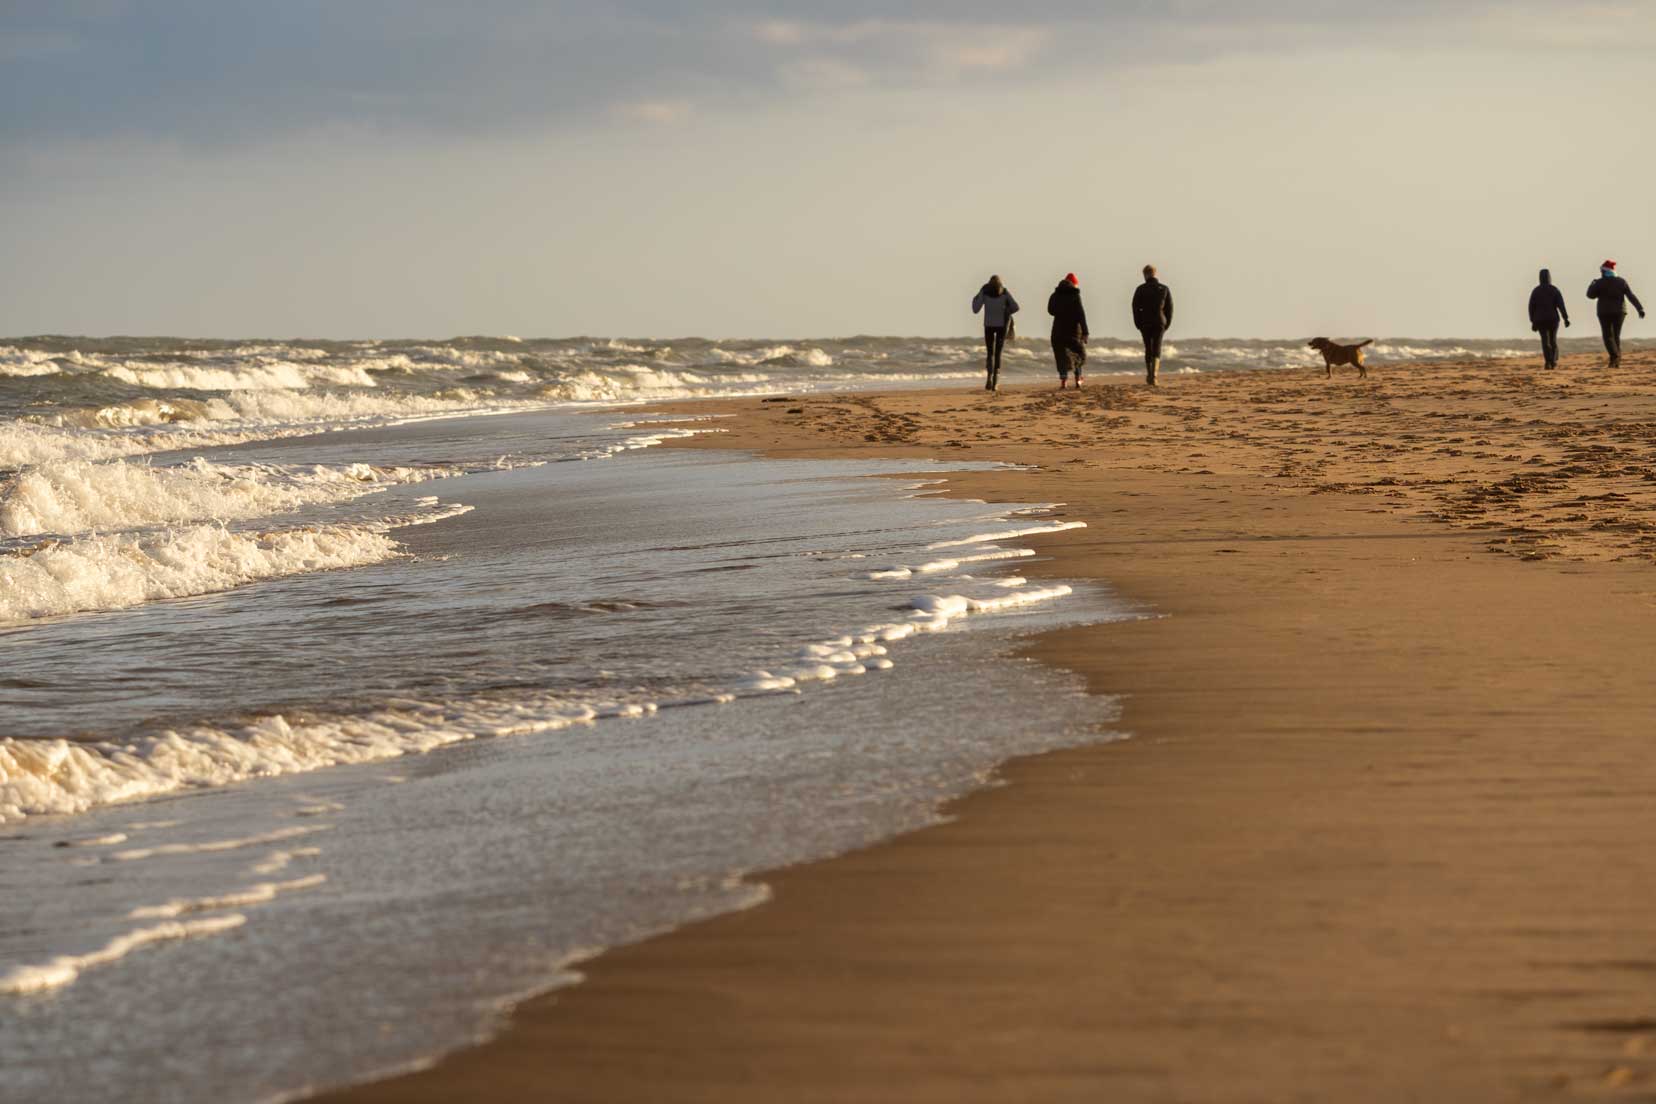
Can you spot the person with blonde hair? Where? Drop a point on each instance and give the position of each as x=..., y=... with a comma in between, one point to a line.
x=996, y=304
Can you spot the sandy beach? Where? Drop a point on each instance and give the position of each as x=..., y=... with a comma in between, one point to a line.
x=1381, y=830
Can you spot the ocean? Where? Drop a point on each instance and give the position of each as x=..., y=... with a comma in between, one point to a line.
x=350, y=691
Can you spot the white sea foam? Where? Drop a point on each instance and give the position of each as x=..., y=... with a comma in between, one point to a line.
x=122, y=570
x=932, y=567
x=629, y=383
x=278, y=861
x=26, y=362
x=257, y=894
x=74, y=496
x=260, y=374
x=55, y=776
x=22, y=444
x=63, y=969
x=1032, y=531
x=210, y=847
x=933, y=612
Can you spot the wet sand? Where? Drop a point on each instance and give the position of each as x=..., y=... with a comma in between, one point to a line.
x=1383, y=831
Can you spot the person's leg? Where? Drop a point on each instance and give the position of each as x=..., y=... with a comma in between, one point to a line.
x=1078, y=361
x=988, y=358
x=1061, y=358
x=997, y=342
x=1615, y=339
x=1152, y=355
x=1549, y=346
x=1607, y=330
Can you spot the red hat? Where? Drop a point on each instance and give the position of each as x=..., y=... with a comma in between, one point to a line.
x=1071, y=278
x=1608, y=264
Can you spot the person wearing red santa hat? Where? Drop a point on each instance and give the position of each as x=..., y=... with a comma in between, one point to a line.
x=1613, y=295
x=1069, y=329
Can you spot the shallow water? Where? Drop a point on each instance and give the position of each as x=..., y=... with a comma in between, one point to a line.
x=681, y=665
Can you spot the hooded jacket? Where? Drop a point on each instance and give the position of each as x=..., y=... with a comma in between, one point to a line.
x=996, y=308
x=1547, y=304
x=1153, y=306
x=1069, y=317
x=1613, y=295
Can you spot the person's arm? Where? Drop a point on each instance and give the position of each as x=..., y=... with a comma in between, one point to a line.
x=1169, y=301
x=1138, y=309
x=1592, y=289
x=1052, y=304
x=1558, y=299
x=1085, y=333
x=1634, y=299
x=1011, y=305
x=977, y=302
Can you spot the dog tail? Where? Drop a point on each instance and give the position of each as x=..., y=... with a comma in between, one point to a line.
x=1360, y=344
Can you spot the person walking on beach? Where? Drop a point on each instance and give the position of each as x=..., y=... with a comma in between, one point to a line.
x=1546, y=305
x=1069, y=329
x=1613, y=295
x=1153, y=315
x=998, y=307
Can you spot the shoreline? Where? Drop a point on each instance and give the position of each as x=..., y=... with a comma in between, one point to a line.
x=1358, y=847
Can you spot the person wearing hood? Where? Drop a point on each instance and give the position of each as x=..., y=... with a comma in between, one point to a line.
x=997, y=306
x=1152, y=315
x=1069, y=329
x=1613, y=295
x=1546, y=305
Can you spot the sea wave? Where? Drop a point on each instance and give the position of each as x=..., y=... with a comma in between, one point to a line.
x=75, y=496
x=116, y=571
x=41, y=777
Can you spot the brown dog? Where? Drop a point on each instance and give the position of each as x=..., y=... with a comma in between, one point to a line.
x=1335, y=353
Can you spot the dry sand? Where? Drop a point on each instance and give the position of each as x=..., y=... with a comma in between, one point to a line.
x=1385, y=831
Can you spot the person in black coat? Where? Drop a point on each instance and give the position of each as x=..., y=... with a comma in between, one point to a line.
x=1546, y=305
x=1153, y=315
x=1069, y=329
x=1613, y=295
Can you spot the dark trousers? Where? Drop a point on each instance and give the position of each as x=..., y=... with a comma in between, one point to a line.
x=1152, y=346
x=1549, y=343
x=1070, y=358
x=994, y=340
x=1610, y=325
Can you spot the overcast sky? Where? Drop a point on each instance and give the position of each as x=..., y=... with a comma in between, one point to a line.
x=377, y=168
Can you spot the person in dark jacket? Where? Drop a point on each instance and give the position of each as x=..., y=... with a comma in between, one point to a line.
x=1613, y=295
x=1069, y=329
x=998, y=307
x=1153, y=315
x=1546, y=305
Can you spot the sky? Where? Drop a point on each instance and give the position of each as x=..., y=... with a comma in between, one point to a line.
x=648, y=168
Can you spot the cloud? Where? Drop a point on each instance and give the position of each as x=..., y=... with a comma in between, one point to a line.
x=778, y=32
x=659, y=112
x=1007, y=49
x=242, y=72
